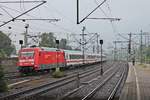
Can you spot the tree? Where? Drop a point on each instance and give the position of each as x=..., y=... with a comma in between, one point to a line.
x=63, y=44
x=47, y=40
x=3, y=85
x=6, y=47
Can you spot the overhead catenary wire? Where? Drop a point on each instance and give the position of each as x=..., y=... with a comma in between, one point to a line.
x=89, y=42
x=114, y=27
x=33, y=1
x=20, y=5
x=53, y=24
x=101, y=9
x=37, y=24
x=27, y=15
x=22, y=14
x=107, y=16
x=65, y=29
x=80, y=21
x=6, y=12
x=64, y=16
x=112, y=24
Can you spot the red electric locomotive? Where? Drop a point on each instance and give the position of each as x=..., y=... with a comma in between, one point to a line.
x=40, y=58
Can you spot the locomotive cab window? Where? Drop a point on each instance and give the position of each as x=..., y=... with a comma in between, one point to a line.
x=27, y=54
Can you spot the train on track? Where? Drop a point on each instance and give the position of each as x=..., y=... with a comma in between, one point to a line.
x=44, y=59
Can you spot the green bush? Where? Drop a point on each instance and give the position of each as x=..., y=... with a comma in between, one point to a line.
x=58, y=73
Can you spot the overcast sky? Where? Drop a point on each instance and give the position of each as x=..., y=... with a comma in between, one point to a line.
x=134, y=16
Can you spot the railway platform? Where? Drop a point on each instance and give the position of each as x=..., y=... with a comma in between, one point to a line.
x=137, y=85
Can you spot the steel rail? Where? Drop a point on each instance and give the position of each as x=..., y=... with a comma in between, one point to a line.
x=77, y=89
x=30, y=80
x=46, y=87
x=99, y=86
x=118, y=84
x=88, y=96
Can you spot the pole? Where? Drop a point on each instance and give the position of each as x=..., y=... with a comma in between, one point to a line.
x=148, y=40
x=93, y=49
x=57, y=56
x=141, y=48
x=25, y=36
x=115, y=50
x=57, y=43
x=129, y=48
x=21, y=43
x=101, y=43
x=78, y=12
x=80, y=44
x=97, y=43
x=101, y=61
x=0, y=62
x=145, y=58
x=121, y=57
x=21, y=46
x=83, y=43
x=148, y=47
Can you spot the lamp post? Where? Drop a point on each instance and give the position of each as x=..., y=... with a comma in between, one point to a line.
x=101, y=43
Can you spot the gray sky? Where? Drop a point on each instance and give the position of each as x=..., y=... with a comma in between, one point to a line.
x=134, y=14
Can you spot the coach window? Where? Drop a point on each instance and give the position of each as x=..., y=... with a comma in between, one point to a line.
x=75, y=56
x=66, y=56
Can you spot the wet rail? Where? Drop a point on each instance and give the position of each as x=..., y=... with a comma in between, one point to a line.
x=49, y=86
x=91, y=91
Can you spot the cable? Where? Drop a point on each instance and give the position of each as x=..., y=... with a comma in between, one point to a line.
x=24, y=5
x=52, y=24
x=109, y=9
x=23, y=13
x=65, y=17
x=36, y=17
x=7, y=12
x=113, y=27
x=58, y=26
x=101, y=9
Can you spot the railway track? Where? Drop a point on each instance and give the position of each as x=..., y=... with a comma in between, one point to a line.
x=21, y=80
x=11, y=75
x=16, y=75
x=88, y=89
x=94, y=94
x=47, y=87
